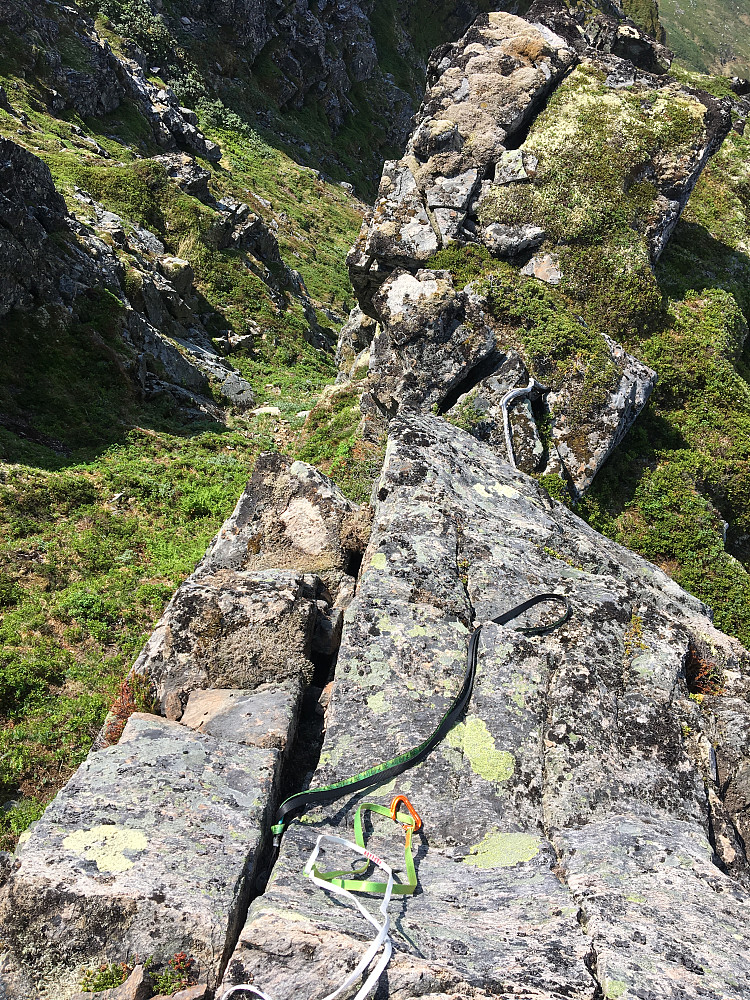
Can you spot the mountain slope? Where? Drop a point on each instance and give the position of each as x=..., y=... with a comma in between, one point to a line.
x=710, y=36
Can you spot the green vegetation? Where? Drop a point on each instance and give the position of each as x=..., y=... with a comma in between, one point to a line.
x=591, y=194
x=645, y=13
x=95, y=549
x=105, y=977
x=177, y=975
x=710, y=37
x=685, y=467
x=540, y=322
x=332, y=442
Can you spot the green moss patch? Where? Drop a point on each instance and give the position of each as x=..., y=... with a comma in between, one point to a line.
x=592, y=193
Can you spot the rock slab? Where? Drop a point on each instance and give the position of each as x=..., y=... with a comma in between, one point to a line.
x=150, y=849
x=567, y=842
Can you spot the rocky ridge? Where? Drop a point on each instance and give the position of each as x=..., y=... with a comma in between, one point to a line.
x=589, y=812
x=476, y=174
x=55, y=259
x=584, y=788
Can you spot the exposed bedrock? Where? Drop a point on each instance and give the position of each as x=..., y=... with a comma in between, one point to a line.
x=155, y=845
x=568, y=847
x=484, y=92
x=439, y=349
x=535, y=136
x=151, y=848
x=279, y=565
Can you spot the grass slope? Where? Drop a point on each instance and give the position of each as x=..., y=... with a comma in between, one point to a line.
x=107, y=501
x=710, y=36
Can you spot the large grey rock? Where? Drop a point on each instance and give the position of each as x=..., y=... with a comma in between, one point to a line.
x=567, y=846
x=431, y=339
x=290, y=516
x=585, y=441
x=150, y=849
x=484, y=90
x=441, y=350
x=263, y=717
x=231, y=629
x=265, y=604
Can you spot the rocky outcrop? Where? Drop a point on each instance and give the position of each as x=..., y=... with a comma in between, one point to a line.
x=54, y=260
x=568, y=845
x=584, y=821
x=486, y=170
x=151, y=849
x=278, y=565
x=448, y=351
x=230, y=665
x=79, y=72
x=483, y=93
x=31, y=211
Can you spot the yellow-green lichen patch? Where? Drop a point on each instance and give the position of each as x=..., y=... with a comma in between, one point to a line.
x=378, y=561
x=474, y=739
x=105, y=846
x=377, y=703
x=503, y=850
x=614, y=988
x=505, y=491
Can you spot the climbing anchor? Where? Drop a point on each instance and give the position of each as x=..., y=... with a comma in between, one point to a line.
x=510, y=397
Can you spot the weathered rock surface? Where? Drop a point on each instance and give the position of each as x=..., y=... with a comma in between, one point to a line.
x=668, y=166
x=583, y=442
x=483, y=91
x=473, y=172
x=220, y=630
x=30, y=211
x=263, y=717
x=442, y=350
x=567, y=844
x=151, y=849
x=278, y=566
x=290, y=516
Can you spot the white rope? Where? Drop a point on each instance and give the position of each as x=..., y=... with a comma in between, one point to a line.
x=381, y=939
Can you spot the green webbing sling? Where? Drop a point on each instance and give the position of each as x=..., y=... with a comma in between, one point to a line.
x=351, y=879
x=381, y=773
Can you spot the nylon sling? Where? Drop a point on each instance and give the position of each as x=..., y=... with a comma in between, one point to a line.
x=381, y=773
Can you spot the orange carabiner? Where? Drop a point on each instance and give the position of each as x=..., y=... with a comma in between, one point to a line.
x=417, y=824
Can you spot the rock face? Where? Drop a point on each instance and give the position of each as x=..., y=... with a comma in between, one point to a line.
x=154, y=847
x=486, y=170
x=171, y=352
x=483, y=92
x=150, y=849
x=584, y=821
x=101, y=78
x=568, y=842
x=441, y=350
x=278, y=565
x=30, y=211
